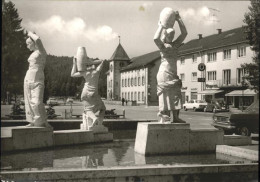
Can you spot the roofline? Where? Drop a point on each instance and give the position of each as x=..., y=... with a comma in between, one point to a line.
x=118, y=60
x=141, y=66
x=246, y=41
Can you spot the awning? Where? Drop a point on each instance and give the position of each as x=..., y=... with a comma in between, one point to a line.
x=246, y=92
x=210, y=92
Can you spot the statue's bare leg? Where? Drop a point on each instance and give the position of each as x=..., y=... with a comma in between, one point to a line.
x=101, y=115
x=176, y=118
x=93, y=117
x=164, y=116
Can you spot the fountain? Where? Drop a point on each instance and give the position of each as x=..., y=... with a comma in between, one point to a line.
x=167, y=150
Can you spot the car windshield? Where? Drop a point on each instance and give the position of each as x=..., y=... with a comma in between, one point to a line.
x=201, y=101
x=254, y=107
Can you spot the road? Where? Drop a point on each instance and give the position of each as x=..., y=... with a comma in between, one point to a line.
x=196, y=119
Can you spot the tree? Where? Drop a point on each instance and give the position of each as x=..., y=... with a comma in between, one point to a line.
x=252, y=29
x=14, y=51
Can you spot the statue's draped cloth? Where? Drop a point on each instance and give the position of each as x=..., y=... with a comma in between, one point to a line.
x=34, y=89
x=91, y=97
x=168, y=87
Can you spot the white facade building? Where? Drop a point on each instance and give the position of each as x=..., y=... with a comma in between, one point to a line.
x=222, y=53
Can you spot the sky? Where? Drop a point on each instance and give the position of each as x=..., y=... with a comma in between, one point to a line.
x=65, y=25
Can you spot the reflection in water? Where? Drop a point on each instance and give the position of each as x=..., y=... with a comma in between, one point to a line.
x=119, y=153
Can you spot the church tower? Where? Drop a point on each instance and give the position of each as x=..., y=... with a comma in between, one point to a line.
x=118, y=60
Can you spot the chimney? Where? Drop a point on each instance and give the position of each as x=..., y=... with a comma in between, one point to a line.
x=200, y=36
x=219, y=31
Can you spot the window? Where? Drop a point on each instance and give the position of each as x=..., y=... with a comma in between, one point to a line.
x=212, y=57
x=123, y=83
x=111, y=67
x=194, y=76
x=227, y=54
x=142, y=96
x=131, y=95
x=212, y=75
x=122, y=94
x=194, y=58
x=135, y=81
x=182, y=77
x=138, y=96
x=142, y=80
x=128, y=82
x=182, y=60
x=132, y=82
x=242, y=51
x=194, y=95
x=226, y=77
x=240, y=74
x=121, y=64
x=139, y=81
x=128, y=98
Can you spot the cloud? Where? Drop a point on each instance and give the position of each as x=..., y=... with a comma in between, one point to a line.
x=75, y=28
x=101, y=33
x=201, y=15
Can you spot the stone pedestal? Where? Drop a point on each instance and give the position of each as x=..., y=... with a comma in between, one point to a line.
x=177, y=138
x=157, y=138
x=237, y=140
x=22, y=138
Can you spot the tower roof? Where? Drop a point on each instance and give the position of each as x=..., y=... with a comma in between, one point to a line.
x=120, y=54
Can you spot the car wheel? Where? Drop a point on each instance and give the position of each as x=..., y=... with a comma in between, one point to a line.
x=185, y=109
x=226, y=132
x=194, y=109
x=245, y=131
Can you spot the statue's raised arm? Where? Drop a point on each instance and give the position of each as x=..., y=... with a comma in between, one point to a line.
x=157, y=36
x=38, y=42
x=100, y=66
x=184, y=33
x=74, y=72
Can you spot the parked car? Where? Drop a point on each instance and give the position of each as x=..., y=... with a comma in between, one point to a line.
x=69, y=100
x=52, y=101
x=216, y=106
x=195, y=105
x=242, y=123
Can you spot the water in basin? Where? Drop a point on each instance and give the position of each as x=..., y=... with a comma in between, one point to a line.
x=117, y=153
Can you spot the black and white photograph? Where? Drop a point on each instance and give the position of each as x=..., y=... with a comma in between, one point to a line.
x=130, y=91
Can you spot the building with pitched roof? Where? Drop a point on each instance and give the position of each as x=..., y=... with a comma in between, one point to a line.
x=222, y=53
x=118, y=60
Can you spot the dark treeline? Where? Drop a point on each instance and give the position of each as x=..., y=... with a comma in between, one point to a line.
x=14, y=64
x=58, y=81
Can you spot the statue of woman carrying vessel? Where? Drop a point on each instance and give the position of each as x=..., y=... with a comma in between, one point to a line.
x=169, y=84
x=34, y=83
x=90, y=96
